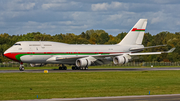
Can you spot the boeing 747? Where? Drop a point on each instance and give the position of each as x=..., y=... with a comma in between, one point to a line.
x=39, y=53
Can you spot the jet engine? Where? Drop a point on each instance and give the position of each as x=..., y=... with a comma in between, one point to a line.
x=120, y=59
x=37, y=64
x=83, y=62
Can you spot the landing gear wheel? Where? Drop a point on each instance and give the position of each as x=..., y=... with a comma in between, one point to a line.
x=63, y=68
x=60, y=68
x=73, y=67
x=78, y=68
x=21, y=68
x=85, y=68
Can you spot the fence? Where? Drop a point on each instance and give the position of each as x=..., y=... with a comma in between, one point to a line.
x=133, y=64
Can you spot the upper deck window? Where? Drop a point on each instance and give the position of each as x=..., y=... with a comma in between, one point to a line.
x=17, y=44
x=34, y=45
x=47, y=45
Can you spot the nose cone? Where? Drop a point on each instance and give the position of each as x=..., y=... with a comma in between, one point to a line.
x=10, y=55
x=5, y=53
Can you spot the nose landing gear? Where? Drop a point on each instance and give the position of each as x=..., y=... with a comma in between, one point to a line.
x=21, y=67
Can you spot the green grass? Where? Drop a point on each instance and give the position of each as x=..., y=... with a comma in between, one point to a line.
x=15, y=86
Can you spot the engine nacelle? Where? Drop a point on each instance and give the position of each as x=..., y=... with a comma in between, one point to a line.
x=83, y=62
x=120, y=60
x=37, y=64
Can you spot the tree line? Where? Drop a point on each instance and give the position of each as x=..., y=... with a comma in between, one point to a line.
x=101, y=37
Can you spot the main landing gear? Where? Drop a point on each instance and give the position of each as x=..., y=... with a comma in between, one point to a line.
x=21, y=67
x=62, y=67
x=79, y=68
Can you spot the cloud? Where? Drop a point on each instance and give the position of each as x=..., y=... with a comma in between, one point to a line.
x=166, y=1
x=64, y=16
x=62, y=6
x=96, y=7
x=14, y=6
x=26, y=6
x=105, y=6
x=66, y=22
x=55, y=1
x=48, y=6
x=115, y=17
x=115, y=4
x=155, y=20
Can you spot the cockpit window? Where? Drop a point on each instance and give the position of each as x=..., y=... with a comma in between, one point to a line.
x=17, y=44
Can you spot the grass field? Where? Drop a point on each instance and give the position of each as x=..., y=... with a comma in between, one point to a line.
x=15, y=86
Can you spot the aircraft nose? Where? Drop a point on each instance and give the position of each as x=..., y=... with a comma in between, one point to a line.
x=10, y=55
x=6, y=54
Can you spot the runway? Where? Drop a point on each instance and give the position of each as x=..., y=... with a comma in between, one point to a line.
x=91, y=70
x=169, y=97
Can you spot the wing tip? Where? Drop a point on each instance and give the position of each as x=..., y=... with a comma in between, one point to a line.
x=170, y=51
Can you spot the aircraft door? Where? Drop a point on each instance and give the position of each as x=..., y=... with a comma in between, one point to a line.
x=76, y=51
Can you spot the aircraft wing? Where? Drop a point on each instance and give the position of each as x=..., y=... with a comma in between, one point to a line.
x=136, y=49
x=152, y=53
x=131, y=54
x=101, y=59
x=113, y=55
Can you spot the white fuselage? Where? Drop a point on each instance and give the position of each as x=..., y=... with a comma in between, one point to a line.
x=48, y=52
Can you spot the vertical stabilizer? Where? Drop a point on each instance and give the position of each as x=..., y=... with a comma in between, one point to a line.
x=136, y=34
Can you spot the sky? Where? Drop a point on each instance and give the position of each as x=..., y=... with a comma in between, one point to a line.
x=77, y=16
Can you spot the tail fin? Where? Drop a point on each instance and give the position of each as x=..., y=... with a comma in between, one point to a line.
x=136, y=34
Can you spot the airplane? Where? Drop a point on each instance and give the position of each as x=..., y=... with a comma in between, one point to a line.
x=39, y=53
